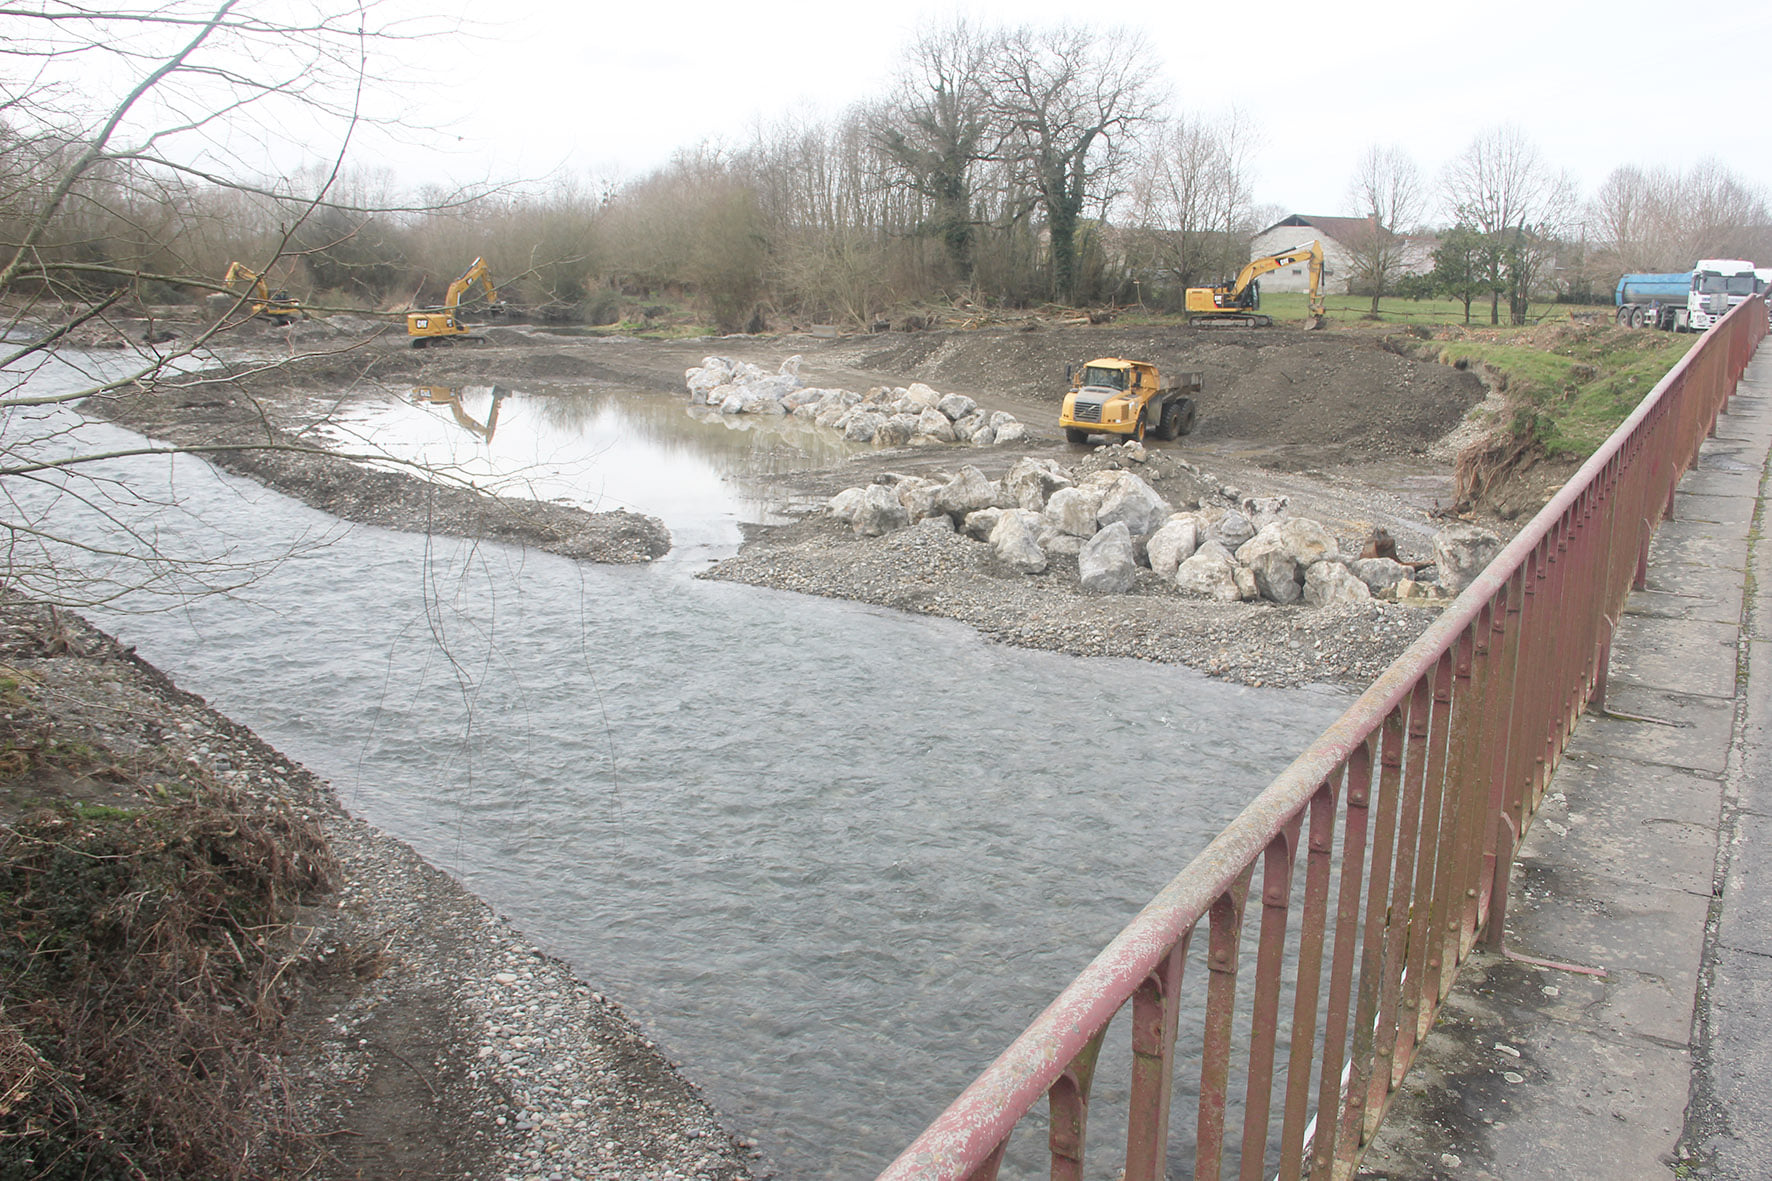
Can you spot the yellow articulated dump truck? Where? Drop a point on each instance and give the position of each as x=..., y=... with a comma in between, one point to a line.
x=1112, y=396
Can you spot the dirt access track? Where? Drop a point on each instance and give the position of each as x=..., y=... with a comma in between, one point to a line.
x=1351, y=426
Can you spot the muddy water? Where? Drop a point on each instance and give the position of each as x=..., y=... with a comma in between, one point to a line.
x=694, y=467
x=834, y=857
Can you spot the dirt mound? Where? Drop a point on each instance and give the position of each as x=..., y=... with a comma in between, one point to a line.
x=1263, y=386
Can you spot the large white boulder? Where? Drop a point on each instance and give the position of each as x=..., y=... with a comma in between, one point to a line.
x=968, y=491
x=1073, y=511
x=919, y=495
x=1461, y=551
x=921, y=396
x=1134, y=503
x=956, y=406
x=1173, y=543
x=1329, y=583
x=1014, y=544
x=862, y=426
x=1032, y=480
x=1277, y=574
x=880, y=512
x=1232, y=529
x=1106, y=564
x=935, y=425
x=845, y=504
x=1211, y=573
x=1306, y=541
x=1379, y=574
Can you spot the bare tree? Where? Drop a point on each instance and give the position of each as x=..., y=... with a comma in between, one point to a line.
x=937, y=127
x=1657, y=219
x=1070, y=101
x=1387, y=191
x=125, y=129
x=1502, y=187
x=1192, y=208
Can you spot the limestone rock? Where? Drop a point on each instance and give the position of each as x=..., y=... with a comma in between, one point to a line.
x=1210, y=572
x=1173, y=543
x=956, y=406
x=922, y=397
x=1461, y=552
x=1233, y=529
x=845, y=504
x=935, y=425
x=1013, y=541
x=1031, y=481
x=967, y=492
x=919, y=497
x=1379, y=574
x=1263, y=511
x=1329, y=583
x=1073, y=511
x=1134, y=503
x=880, y=512
x=1277, y=574
x=1105, y=564
x=981, y=523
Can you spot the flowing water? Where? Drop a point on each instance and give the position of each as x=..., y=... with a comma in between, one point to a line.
x=833, y=856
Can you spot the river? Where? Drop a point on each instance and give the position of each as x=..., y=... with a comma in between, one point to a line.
x=834, y=857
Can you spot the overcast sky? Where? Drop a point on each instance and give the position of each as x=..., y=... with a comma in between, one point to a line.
x=536, y=86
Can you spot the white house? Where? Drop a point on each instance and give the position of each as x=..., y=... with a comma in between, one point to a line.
x=1335, y=233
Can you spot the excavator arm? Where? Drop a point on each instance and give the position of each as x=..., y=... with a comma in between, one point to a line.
x=477, y=272
x=1237, y=299
x=280, y=307
x=1311, y=251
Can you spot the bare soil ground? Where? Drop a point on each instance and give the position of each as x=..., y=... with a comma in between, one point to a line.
x=1343, y=424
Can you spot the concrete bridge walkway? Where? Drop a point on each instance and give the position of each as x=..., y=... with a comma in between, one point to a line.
x=1650, y=859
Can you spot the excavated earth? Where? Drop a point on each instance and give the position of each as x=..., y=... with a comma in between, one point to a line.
x=470, y=1054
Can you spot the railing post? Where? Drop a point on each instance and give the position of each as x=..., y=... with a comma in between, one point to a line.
x=1156, y=1008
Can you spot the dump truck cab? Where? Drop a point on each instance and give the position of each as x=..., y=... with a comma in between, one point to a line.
x=1115, y=396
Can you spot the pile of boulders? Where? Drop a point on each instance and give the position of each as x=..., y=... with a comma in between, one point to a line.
x=1118, y=527
x=891, y=417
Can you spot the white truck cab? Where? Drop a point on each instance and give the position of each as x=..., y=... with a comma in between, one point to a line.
x=1718, y=284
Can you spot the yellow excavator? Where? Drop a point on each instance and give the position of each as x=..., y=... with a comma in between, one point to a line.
x=444, y=324
x=279, y=308
x=1237, y=301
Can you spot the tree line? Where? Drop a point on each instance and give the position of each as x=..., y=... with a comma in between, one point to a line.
x=1004, y=166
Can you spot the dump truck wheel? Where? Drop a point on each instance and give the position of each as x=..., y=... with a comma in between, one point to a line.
x=1187, y=414
x=1169, y=424
x=1138, y=428
x=1073, y=435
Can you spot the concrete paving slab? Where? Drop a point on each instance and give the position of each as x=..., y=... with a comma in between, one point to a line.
x=1739, y=480
x=1708, y=545
x=1561, y=912
x=1734, y=510
x=1695, y=595
x=1508, y=1094
x=1690, y=732
x=1634, y=824
x=1687, y=656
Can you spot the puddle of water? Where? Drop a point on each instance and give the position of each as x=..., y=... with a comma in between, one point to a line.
x=701, y=472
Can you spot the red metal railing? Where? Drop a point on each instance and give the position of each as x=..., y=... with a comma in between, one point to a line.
x=1401, y=821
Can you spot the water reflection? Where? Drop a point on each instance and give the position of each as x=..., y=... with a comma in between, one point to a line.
x=702, y=473
x=439, y=395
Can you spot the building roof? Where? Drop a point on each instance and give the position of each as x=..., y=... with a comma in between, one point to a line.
x=1342, y=229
